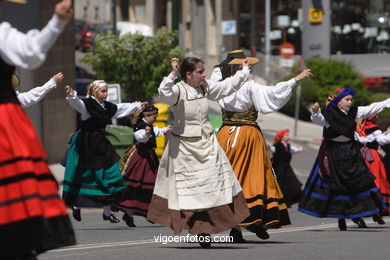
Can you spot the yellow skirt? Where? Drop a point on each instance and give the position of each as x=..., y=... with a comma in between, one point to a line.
x=247, y=153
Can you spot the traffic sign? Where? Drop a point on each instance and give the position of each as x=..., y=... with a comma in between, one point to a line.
x=287, y=50
x=315, y=15
x=229, y=27
x=114, y=93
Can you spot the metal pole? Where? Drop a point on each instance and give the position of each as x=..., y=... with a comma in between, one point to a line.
x=253, y=27
x=268, y=42
x=218, y=14
x=113, y=13
x=297, y=102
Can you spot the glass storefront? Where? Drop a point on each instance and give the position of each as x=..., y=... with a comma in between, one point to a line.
x=357, y=26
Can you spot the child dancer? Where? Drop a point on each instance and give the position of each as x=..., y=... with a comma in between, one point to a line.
x=196, y=188
x=92, y=174
x=242, y=140
x=141, y=164
x=282, y=152
x=367, y=133
x=341, y=185
x=33, y=218
x=36, y=94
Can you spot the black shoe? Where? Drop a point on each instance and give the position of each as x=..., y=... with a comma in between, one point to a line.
x=258, y=230
x=204, y=240
x=111, y=218
x=237, y=236
x=262, y=233
x=360, y=222
x=76, y=214
x=129, y=220
x=342, y=224
x=378, y=219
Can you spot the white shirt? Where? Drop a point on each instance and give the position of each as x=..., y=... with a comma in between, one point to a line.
x=35, y=95
x=265, y=99
x=377, y=135
x=293, y=149
x=29, y=50
x=124, y=109
x=169, y=93
x=141, y=137
x=362, y=112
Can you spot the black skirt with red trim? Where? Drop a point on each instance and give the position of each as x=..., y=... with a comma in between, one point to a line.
x=33, y=218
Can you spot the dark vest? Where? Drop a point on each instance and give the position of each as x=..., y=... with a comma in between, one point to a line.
x=340, y=123
x=151, y=143
x=374, y=144
x=7, y=93
x=94, y=149
x=282, y=156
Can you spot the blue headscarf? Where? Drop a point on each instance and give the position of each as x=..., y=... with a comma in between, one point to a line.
x=337, y=95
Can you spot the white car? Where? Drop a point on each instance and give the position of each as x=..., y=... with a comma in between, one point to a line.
x=132, y=27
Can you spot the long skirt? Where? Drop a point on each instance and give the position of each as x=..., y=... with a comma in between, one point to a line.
x=140, y=171
x=247, y=153
x=91, y=187
x=340, y=185
x=289, y=184
x=33, y=218
x=196, y=188
x=381, y=181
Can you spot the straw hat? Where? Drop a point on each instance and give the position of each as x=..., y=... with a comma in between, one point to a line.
x=237, y=57
x=18, y=1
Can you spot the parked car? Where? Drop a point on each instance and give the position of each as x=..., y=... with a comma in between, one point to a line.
x=89, y=33
x=78, y=31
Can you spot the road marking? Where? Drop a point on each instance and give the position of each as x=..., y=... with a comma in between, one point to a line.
x=152, y=241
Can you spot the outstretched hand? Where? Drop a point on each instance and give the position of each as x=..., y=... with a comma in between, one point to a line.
x=304, y=75
x=58, y=77
x=64, y=9
x=69, y=91
x=245, y=63
x=315, y=107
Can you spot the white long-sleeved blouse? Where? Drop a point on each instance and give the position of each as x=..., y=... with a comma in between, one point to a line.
x=362, y=112
x=378, y=135
x=141, y=137
x=265, y=99
x=169, y=93
x=124, y=109
x=36, y=94
x=29, y=50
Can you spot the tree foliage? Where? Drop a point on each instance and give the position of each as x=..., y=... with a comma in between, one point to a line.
x=328, y=76
x=138, y=63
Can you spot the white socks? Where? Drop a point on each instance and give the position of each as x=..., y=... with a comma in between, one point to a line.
x=107, y=210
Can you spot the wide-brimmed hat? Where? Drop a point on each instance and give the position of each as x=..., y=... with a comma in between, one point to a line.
x=18, y=1
x=237, y=57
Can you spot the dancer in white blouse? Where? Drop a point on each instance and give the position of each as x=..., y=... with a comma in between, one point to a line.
x=196, y=188
x=244, y=144
x=92, y=174
x=33, y=218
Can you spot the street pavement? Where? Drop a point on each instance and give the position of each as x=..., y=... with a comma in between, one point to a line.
x=306, y=238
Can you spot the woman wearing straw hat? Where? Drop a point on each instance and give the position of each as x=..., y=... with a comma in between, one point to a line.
x=33, y=218
x=243, y=142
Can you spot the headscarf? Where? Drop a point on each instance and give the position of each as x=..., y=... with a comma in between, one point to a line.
x=337, y=95
x=95, y=86
x=365, y=124
x=279, y=135
x=147, y=111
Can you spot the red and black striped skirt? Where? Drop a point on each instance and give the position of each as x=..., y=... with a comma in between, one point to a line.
x=33, y=218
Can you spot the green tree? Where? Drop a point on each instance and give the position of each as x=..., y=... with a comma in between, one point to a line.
x=138, y=63
x=328, y=76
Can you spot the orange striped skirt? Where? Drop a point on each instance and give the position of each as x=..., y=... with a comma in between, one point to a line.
x=247, y=153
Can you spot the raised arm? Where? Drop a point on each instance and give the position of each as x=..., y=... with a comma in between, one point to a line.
x=316, y=115
x=374, y=108
x=168, y=93
x=126, y=109
x=29, y=50
x=76, y=103
x=220, y=89
x=35, y=95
